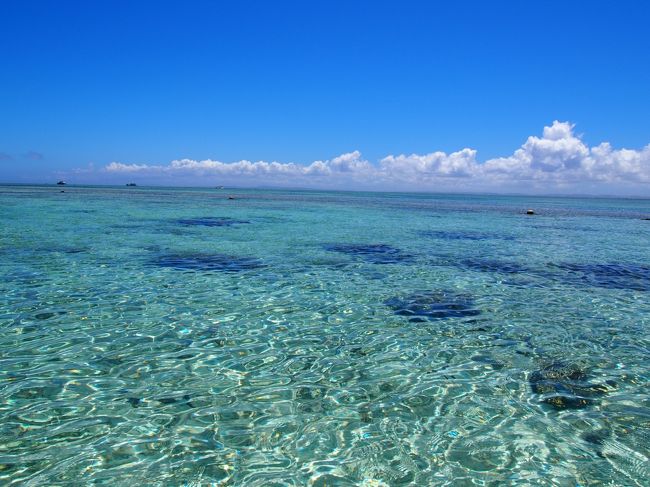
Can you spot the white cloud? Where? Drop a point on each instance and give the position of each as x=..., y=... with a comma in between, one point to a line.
x=557, y=161
x=430, y=166
x=562, y=158
x=119, y=167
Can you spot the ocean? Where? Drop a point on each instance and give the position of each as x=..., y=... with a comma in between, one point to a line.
x=174, y=336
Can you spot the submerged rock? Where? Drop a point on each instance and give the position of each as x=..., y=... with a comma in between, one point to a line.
x=610, y=276
x=373, y=253
x=210, y=221
x=596, y=437
x=560, y=401
x=46, y=315
x=167, y=400
x=186, y=399
x=565, y=386
x=462, y=235
x=134, y=401
x=208, y=262
x=435, y=305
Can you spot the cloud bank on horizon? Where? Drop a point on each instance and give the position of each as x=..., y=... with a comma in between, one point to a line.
x=558, y=161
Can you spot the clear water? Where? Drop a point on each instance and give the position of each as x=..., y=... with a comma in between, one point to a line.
x=176, y=337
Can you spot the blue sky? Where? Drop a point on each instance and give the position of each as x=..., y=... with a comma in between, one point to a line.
x=142, y=84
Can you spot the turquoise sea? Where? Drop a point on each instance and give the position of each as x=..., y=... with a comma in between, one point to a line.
x=155, y=336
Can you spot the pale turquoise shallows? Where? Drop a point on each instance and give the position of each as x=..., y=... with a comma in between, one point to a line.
x=177, y=337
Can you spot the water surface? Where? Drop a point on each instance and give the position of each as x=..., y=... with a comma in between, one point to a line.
x=176, y=337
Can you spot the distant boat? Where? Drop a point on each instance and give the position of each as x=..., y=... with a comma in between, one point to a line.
x=61, y=183
x=218, y=187
x=131, y=184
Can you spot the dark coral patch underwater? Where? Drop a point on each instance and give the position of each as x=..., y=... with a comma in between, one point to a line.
x=610, y=276
x=463, y=235
x=634, y=277
x=372, y=253
x=433, y=305
x=210, y=221
x=208, y=262
x=565, y=386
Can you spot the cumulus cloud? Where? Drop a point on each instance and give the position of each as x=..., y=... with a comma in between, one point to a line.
x=346, y=166
x=561, y=157
x=461, y=164
x=119, y=167
x=558, y=160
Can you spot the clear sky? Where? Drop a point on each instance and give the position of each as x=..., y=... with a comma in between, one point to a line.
x=111, y=91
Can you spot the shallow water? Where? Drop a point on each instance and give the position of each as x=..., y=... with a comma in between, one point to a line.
x=175, y=337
